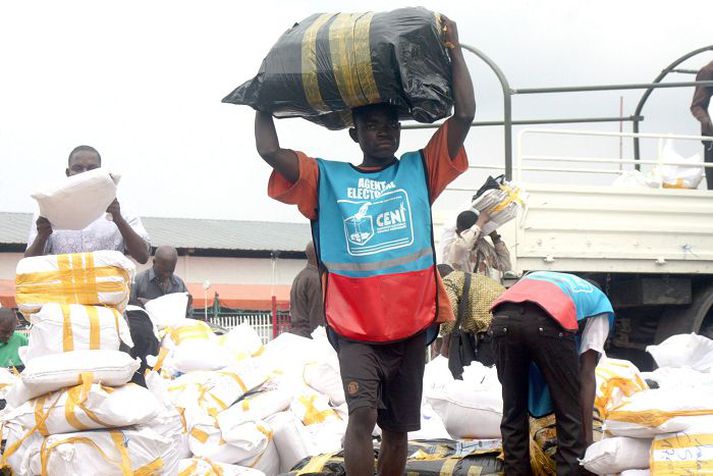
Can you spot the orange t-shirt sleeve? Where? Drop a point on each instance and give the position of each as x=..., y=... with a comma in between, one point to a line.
x=302, y=192
x=440, y=168
x=445, y=311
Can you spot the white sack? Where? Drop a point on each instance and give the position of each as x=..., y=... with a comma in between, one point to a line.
x=53, y=372
x=313, y=408
x=267, y=462
x=256, y=406
x=242, y=342
x=56, y=329
x=432, y=427
x=684, y=350
x=685, y=175
x=469, y=411
x=100, y=278
x=686, y=452
x=653, y=412
x=76, y=453
x=292, y=440
x=7, y=381
x=205, y=467
x=83, y=408
x=616, y=380
x=614, y=455
x=193, y=346
x=168, y=310
x=326, y=379
x=75, y=202
x=206, y=440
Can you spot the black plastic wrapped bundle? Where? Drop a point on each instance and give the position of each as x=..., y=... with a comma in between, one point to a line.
x=328, y=64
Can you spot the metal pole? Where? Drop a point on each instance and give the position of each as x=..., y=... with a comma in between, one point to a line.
x=507, y=105
x=610, y=87
x=530, y=122
x=648, y=92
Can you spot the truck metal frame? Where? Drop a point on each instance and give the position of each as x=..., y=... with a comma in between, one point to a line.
x=651, y=249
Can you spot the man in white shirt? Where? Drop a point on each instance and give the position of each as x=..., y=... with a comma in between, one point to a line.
x=470, y=251
x=123, y=232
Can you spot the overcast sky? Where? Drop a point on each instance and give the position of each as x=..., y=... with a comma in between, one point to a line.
x=142, y=82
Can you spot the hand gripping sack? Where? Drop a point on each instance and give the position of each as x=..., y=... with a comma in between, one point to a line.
x=77, y=201
x=58, y=328
x=328, y=64
x=100, y=278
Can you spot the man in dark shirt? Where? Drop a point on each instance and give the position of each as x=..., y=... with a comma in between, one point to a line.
x=159, y=279
x=306, y=308
x=699, y=109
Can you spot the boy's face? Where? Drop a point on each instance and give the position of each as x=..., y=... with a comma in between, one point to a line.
x=82, y=161
x=378, y=133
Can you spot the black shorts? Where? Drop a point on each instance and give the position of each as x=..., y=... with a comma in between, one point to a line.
x=385, y=377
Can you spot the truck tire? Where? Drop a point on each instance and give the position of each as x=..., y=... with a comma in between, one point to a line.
x=691, y=318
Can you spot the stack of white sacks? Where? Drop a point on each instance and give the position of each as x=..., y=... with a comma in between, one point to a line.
x=72, y=407
x=663, y=431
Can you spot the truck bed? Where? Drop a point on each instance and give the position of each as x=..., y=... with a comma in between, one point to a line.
x=613, y=229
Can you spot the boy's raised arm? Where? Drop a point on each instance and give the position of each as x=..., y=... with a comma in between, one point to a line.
x=284, y=161
x=463, y=95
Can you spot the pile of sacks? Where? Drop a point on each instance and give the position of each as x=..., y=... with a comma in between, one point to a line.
x=245, y=405
x=664, y=430
x=73, y=406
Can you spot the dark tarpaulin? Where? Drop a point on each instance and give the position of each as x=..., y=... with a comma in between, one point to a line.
x=328, y=64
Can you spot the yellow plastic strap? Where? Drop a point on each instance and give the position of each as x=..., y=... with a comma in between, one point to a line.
x=264, y=431
x=70, y=408
x=512, y=195
x=67, y=336
x=94, y=328
x=39, y=422
x=310, y=82
x=362, y=58
x=117, y=316
x=260, y=351
x=46, y=451
x=161, y=358
x=316, y=464
x=189, y=470
x=40, y=417
x=653, y=418
x=199, y=435
x=312, y=415
x=152, y=469
x=341, y=48
x=237, y=379
x=183, y=334
x=681, y=450
x=118, y=438
x=245, y=404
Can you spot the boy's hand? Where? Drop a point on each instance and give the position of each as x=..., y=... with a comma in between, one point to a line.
x=451, y=32
x=44, y=227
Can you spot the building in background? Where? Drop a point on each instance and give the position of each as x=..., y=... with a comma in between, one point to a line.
x=245, y=263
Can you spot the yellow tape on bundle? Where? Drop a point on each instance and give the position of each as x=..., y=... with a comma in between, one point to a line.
x=216, y=470
x=159, y=361
x=94, y=328
x=626, y=386
x=310, y=83
x=74, y=282
x=351, y=59
x=653, y=418
x=67, y=336
x=685, y=463
x=189, y=470
x=40, y=416
x=199, y=435
x=512, y=196
x=312, y=415
x=117, y=438
x=152, y=469
x=193, y=332
x=316, y=464
x=245, y=404
x=237, y=379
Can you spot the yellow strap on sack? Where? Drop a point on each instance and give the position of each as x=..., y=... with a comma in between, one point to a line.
x=216, y=470
x=189, y=470
x=316, y=464
x=653, y=418
x=312, y=415
x=162, y=354
x=685, y=462
x=512, y=196
x=118, y=438
x=94, y=328
x=40, y=417
x=67, y=335
x=310, y=83
x=194, y=332
x=627, y=387
x=154, y=468
x=237, y=379
x=199, y=435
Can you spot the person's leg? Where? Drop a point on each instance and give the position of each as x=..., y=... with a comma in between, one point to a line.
x=404, y=363
x=361, y=373
x=392, y=454
x=358, y=448
x=556, y=356
x=512, y=360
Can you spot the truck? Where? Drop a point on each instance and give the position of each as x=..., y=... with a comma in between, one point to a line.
x=650, y=249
